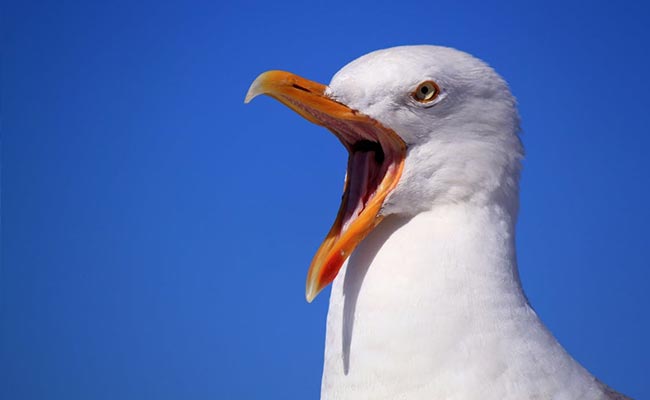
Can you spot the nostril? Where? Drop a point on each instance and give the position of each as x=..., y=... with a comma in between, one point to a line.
x=304, y=89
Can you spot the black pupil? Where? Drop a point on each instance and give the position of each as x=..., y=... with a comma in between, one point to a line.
x=424, y=90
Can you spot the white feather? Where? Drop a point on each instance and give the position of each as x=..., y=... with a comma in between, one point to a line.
x=430, y=306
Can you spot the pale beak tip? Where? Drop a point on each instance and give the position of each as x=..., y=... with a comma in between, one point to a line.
x=252, y=93
x=313, y=290
x=259, y=86
x=310, y=297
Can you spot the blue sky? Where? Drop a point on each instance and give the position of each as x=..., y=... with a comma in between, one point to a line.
x=156, y=232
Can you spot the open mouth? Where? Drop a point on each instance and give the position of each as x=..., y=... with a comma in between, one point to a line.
x=365, y=170
x=375, y=163
x=372, y=173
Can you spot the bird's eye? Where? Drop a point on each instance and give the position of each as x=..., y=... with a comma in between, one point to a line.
x=426, y=92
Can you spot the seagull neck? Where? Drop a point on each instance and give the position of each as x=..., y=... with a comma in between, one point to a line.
x=460, y=253
x=471, y=245
x=429, y=279
x=438, y=294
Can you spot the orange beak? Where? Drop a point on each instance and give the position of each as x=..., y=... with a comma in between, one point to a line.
x=375, y=164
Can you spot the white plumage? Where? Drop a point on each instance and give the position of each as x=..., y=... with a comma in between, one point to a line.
x=429, y=305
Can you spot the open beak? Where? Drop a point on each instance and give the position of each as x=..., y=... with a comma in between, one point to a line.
x=375, y=164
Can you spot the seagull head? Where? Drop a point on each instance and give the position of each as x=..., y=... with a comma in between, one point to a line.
x=423, y=125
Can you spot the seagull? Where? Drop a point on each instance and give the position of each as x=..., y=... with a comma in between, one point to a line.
x=426, y=300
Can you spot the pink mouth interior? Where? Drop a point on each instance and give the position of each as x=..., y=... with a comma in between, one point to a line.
x=365, y=172
x=368, y=163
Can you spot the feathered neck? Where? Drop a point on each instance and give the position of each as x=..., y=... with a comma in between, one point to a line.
x=432, y=307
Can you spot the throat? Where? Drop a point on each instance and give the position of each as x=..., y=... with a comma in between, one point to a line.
x=429, y=296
